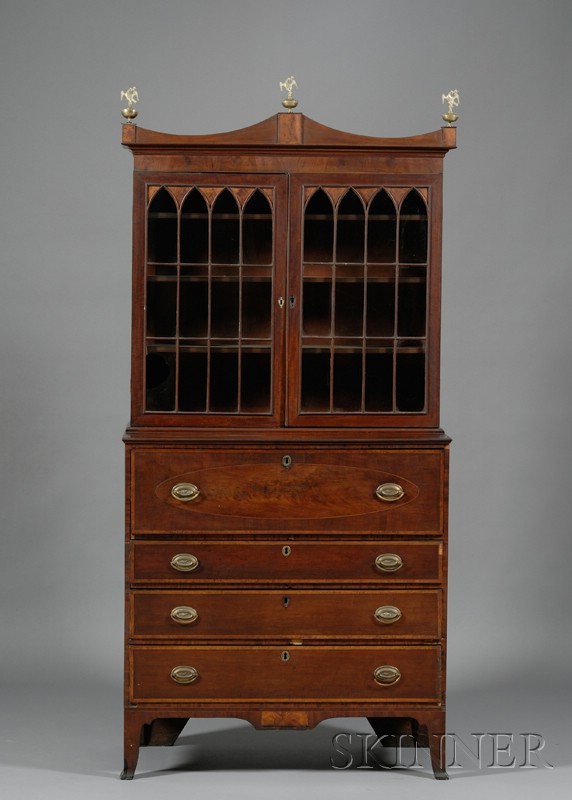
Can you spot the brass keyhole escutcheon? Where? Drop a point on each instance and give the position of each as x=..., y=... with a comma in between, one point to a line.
x=285, y=655
x=287, y=462
x=286, y=550
x=286, y=601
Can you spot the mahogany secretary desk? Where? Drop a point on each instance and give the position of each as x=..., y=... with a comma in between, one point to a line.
x=286, y=475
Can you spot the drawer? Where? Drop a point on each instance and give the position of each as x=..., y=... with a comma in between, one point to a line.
x=243, y=563
x=181, y=490
x=287, y=614
x=293, y=674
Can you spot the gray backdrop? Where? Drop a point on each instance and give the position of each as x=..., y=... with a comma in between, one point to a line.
x=369, y=66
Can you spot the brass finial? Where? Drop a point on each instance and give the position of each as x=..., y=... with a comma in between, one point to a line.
x=286, y=86
x=132, y=97
x=453, y=101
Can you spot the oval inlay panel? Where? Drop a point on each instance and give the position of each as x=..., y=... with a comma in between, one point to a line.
x=268, y=491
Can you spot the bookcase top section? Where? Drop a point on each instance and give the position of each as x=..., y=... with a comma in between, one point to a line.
x=289, y=130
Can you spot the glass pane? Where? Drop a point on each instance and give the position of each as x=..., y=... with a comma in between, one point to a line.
x=315, y=381
x=161, y=308
x=194, y=229
x=192, y=382
x=257, y=309
x=319, y=228
x=347, y=381
x=255, y=382
x=412, y=301
x=257, y=230
x=224, y=309
x=225, y=229
x=413, y=229
x=380, y=309
x=379, y=382
x=349, y=308
x=381, y=229
x=350, y=235
x=162, y=228
x=410, y=381
x=317, y=308
x=160, y=381
x=224, y=381
x=193, y=318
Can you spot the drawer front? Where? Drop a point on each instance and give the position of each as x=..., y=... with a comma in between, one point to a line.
x=175, y=491
x=195, y=563
x=341, y=674
x=291, y=614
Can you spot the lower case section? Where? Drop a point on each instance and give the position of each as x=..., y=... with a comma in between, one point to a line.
x=162, y=726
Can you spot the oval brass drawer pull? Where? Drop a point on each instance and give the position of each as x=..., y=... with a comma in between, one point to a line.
x=185, y=492
x=184, y=615
x=386, y=675
x=389, y=492
x=388, y=562
x=184, y=562
x=184, y=674
x=387, y=614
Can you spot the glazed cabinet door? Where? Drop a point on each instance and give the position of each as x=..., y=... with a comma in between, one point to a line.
x=365, y=262
x=209, y=264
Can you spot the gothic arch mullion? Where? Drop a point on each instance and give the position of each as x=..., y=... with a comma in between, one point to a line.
x=365, y=297
x=333, y=305
x=396, y=307
x=241, y=206
x=210, y=201
x=178, y=305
